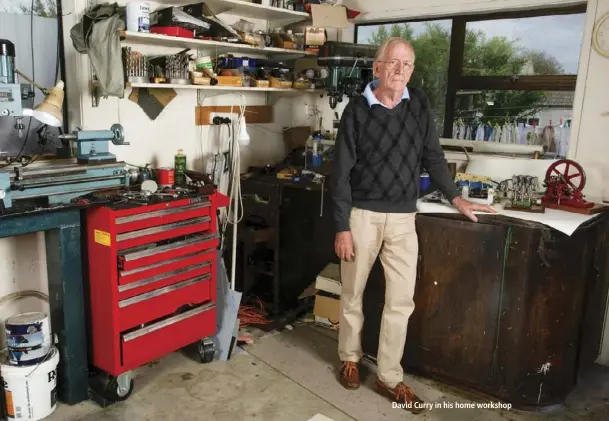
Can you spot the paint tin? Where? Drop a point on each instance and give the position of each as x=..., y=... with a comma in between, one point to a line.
x=165, y=177
x=28, y=338
x=30, y=393
x=138, y=16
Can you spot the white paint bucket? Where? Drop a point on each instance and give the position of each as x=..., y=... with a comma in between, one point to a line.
x=30, y=392
x=28, y=338
x=138, y=16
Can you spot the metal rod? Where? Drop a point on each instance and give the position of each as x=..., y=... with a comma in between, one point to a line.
x=28, y=186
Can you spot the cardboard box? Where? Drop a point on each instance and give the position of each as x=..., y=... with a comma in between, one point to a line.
x=328, y=280
x=327, y=310
x=327, y=298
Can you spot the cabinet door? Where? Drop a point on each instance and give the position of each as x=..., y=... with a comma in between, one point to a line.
x=452, y=332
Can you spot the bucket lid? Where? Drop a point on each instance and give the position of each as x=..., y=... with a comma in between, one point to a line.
x=25, y=318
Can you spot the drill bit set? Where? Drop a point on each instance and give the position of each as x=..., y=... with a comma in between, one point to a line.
x=171, y=69
x=135, y=65
x=177, y=68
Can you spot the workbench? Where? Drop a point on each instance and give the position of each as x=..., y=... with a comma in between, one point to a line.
x=62, y=228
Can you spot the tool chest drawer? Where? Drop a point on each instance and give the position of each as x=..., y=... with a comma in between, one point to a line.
x=152, y=279
x=155, y=340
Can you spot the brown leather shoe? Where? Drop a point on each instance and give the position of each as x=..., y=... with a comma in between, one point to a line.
x=349, y=375
x=403, y=395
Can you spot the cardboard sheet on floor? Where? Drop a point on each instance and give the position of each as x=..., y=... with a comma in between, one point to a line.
x=320, y=417
x=228, y=302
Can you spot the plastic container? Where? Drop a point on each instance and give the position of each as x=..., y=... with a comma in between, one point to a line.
x=28, y=338
x=138, y=16
x=30, y=392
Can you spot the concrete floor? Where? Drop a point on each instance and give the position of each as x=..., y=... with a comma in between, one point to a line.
x=291, y=376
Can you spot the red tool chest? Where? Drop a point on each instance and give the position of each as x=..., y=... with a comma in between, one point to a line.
x=152, y=276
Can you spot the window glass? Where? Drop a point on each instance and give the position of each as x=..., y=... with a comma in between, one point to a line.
x=520, y=117
x=431, y=42
x=543, y=45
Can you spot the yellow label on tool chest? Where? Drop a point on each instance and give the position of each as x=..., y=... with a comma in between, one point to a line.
x=102, y=237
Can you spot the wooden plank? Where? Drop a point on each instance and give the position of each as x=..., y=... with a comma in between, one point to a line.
x=455, y=69
x=254, y=114
x=520, y=83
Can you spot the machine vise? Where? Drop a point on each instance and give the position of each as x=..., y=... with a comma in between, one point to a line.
x=350, y=68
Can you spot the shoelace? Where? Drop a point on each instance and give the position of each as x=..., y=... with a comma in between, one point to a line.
x=349, y=368
x=402, y=391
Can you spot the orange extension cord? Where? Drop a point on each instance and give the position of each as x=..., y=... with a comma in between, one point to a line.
x=252, y=314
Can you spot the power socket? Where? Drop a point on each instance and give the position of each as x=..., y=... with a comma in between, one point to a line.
x=223, y=118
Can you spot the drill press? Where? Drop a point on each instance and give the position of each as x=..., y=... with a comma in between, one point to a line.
x=350, y=68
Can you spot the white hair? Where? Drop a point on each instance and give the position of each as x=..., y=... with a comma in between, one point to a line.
x=391, y=41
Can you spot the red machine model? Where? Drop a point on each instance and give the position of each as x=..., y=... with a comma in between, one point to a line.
x=565, y=181
x=152, y=277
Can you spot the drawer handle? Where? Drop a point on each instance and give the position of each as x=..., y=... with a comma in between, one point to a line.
x=161, y=291
x=160, y=277
x=167, y=322
x=162, y=249
x=163, y=263
x=156, y=214
x=161, y=228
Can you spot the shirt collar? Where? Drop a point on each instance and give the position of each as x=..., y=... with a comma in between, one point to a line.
x=372, y=99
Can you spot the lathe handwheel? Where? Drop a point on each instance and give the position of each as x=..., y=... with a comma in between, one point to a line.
x=572, y=172
x=119, y=136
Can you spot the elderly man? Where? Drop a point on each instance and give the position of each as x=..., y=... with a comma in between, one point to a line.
x=385, y=138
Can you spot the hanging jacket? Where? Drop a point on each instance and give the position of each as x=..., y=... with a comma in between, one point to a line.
x=97, y=35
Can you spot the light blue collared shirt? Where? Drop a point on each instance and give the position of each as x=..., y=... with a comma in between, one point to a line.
x=372, y=99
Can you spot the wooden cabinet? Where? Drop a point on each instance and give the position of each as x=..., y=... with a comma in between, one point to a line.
x=510, y=309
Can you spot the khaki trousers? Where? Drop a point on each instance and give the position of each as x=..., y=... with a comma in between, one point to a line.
x=394, y=236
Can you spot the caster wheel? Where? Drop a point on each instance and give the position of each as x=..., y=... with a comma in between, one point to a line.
x=206, y=350
x=119, y=388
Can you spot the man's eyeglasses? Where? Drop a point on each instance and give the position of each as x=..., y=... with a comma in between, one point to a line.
x=393, y=64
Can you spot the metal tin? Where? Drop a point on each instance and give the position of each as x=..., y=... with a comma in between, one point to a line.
x=28, y=338
x=165, y=177
x=180, y=168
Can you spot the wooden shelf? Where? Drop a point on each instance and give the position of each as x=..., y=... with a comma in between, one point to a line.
x=215, y=47
x=247, y=10
x=218, y=89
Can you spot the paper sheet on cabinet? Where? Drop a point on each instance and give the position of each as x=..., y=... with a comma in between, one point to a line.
x=566, y=222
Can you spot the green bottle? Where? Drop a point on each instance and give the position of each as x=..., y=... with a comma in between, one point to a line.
x=180, y=168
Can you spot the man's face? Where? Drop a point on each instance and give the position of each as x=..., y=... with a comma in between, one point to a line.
x=395, y=67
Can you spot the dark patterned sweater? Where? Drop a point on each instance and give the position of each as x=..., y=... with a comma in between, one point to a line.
x=380, y=154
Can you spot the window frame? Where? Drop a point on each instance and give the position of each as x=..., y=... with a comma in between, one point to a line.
x=457, y=81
